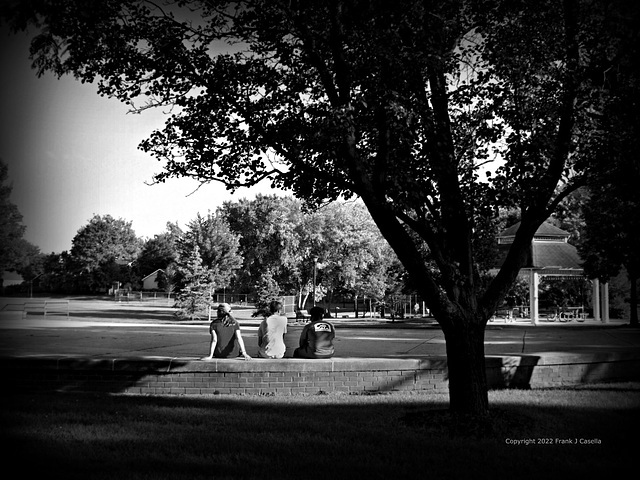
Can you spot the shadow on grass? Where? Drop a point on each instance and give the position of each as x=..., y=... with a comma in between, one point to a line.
x=607, y=387
x=320, y=436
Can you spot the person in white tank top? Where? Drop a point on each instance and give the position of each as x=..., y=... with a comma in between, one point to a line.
x=271, y=333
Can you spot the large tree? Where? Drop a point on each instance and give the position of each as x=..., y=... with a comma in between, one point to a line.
x=612, y=222
x=207, y=260
x=160, y=251
x=195, y=285
x=217, y=247
x=269, y=244
x=16, y=253
x=399, y=103
x=58, y=273
x=103, y=251
x=612, y=233
x=279, y=242
x=352, y=255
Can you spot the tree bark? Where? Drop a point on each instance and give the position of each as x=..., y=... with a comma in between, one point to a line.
x=466, y=368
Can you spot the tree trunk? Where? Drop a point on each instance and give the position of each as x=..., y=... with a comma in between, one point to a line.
x=633, y=302
x=302, y=302
x=327, y=306
x=466, y=368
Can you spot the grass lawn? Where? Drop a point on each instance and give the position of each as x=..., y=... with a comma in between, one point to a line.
x=322, y=436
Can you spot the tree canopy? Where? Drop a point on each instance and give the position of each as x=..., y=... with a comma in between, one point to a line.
x=612, y=223
x=16, y=253
x=217, y=247
x=269, y=244
x=102, y=249
x=399, y=103
x=160, y=251
x=281, y=244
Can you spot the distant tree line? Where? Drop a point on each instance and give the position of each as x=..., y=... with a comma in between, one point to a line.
x=268, y=244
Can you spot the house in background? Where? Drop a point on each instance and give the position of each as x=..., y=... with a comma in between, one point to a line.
x=10, y=278
x=151, y=281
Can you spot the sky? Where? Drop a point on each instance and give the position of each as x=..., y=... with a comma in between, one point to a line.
x=72, y=154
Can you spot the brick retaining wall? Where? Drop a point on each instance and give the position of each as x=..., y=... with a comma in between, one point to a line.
x=175, y=376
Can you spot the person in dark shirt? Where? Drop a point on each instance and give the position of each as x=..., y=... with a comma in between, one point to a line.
x=316, y=339
x=226, y=339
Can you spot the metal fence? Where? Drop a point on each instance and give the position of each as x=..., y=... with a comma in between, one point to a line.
x=166, y=298
x=241, y=299
x=289, y=305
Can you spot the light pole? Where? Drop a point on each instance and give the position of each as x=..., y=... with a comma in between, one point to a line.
x=210, y=295
x=315, y=267
x=31, y=285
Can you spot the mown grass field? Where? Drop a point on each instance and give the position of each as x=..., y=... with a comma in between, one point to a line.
x=586, y=432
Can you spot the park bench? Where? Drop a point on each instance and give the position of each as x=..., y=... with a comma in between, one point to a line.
x=13, y=307
x=35, y=307
x=45, y=307
x=506, y=314
x=56, y=307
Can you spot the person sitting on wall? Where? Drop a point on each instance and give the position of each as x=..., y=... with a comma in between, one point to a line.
x=271, y=333
x=226, y=339
x=316, y=339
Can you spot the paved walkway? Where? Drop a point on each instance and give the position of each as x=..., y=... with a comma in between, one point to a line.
x=117, y=331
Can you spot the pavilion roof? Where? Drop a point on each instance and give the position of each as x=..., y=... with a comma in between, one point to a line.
x=544, y=230
x=549, y=249
x=558, y=255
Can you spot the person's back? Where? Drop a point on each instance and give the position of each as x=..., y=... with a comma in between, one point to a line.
x=227, y=344
x=226, y=339
x=316, y=340
x=320, y=336
x=271, y=333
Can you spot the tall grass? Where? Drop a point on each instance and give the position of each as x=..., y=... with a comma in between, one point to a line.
x=321, y=436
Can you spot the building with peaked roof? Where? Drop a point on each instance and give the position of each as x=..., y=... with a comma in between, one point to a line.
x=151, y=281
x=8, y=279
x=550, y=254
x=549, y=250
